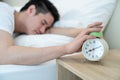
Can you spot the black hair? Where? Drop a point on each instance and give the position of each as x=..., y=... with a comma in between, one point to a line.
x=42, y=6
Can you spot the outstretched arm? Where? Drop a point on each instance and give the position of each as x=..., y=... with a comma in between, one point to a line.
x=12, y=54
x=72, y=32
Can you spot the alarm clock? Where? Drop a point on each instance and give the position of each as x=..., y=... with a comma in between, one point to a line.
x=95, y=49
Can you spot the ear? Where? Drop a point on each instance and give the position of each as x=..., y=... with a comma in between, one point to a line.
x=31, y=10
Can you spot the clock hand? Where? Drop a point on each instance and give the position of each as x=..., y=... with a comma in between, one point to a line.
x=97, y=47
x=90, y=50
x=93, y=49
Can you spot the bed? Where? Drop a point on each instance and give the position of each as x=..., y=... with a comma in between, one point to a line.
x=47, y=71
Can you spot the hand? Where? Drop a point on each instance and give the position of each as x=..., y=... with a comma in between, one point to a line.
x=94, y=27
x=76, y=44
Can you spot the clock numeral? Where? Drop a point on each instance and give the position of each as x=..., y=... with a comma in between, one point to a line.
x=89, y=54
x=90, y=42
x=96, y=56
x=87, y=45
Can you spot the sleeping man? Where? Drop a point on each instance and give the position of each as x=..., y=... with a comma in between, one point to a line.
x=37, y=17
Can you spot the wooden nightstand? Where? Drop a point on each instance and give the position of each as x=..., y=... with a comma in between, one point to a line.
x=77, y=68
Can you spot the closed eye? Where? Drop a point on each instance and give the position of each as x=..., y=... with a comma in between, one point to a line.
x=42, y=23
x=45, y=21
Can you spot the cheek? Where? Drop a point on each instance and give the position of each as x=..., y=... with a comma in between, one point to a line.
x=30, y=28
x=34, y=25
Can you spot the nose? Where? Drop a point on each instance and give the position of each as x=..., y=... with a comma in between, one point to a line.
x=42, y=30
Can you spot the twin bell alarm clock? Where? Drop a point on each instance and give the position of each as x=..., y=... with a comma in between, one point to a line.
x=95, y=49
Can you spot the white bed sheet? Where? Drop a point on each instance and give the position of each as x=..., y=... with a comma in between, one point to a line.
x=45, y=71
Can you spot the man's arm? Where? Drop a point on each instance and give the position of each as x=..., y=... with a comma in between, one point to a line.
x=72, y=32
x=11, y=54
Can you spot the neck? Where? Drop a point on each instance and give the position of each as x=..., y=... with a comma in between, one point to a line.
x=19, y=26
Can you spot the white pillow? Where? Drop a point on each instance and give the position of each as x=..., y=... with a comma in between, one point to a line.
x=44, y=40
x=80, y=13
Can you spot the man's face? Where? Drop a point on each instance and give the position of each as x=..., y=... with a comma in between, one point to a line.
x=38, y=24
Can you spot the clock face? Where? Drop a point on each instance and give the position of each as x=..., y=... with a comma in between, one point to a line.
x=94, y=49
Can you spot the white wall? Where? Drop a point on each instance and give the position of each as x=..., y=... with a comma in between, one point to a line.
x=112, y=33
x=16, y=2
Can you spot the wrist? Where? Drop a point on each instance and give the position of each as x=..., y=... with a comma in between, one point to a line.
x=66, y=49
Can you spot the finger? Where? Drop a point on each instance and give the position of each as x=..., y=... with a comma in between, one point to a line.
x=96, y=24
x=86, y=37
x=99, y=26
x=89, y=30
x=93, y=30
